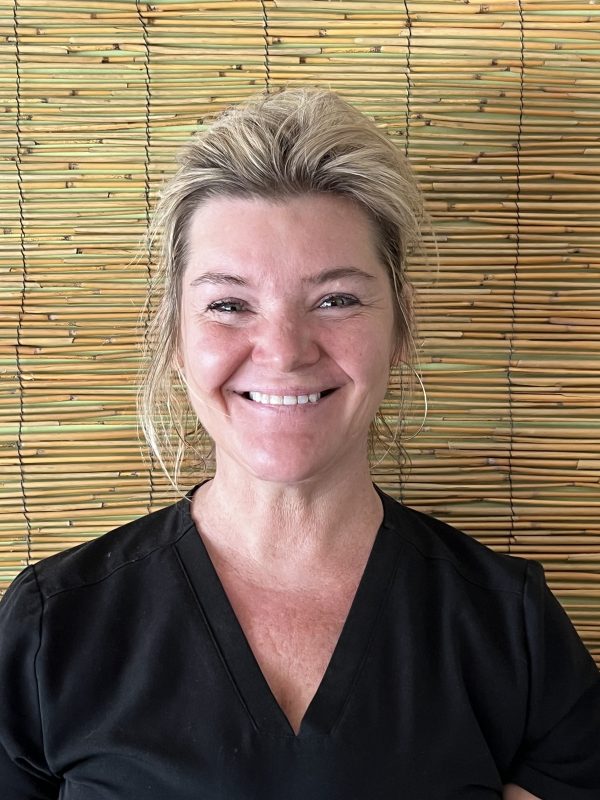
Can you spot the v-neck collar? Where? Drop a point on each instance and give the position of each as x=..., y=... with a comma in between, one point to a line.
x=335, y=688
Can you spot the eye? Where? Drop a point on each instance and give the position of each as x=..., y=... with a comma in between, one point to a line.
x=338, y=301
x=230, y=306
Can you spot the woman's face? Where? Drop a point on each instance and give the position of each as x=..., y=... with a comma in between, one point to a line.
x=287, y=333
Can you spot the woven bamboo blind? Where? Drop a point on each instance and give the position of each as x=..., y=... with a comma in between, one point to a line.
x=496, y=105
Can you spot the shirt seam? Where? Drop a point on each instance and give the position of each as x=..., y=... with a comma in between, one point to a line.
x=367, y=650
x=120, y=566
x=215, y=643
x=36, y=673
x=446, y=560
x=530, y=578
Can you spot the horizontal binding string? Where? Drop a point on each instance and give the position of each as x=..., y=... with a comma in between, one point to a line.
x=92, y=155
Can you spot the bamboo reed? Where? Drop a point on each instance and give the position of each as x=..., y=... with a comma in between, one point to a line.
x=506, y=145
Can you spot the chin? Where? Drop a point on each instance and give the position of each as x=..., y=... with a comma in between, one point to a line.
x=285, y=471
x=287, y=475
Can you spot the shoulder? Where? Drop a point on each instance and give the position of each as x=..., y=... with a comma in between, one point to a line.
x=96, y=560
x=443, y=546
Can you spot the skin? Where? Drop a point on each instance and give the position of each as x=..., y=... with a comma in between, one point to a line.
x=266, y=308
x=290, y=329
x=513, y=792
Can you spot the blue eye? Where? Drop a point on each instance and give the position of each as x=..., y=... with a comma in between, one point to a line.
x=226, y=306
x=338, y=301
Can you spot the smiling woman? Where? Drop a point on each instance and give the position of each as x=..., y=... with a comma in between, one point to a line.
x=286, y=360
x=286, y=147
x=286, y=629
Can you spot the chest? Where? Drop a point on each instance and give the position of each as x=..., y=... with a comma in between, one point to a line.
x=292, y=637
x=178, y=708
x=173, y=710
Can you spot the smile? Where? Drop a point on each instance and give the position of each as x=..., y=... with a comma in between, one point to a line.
x=286, y=399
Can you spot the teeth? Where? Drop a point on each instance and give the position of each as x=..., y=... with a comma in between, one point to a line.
x=284, y=400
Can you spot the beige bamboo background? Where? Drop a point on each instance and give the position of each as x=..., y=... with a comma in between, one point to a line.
x=497, y=106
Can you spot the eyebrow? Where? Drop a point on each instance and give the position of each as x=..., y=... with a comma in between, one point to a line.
x=218, y=278
x=336, y=273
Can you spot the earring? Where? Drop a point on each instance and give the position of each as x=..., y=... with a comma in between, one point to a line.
x=399, y=420
x=425, y=402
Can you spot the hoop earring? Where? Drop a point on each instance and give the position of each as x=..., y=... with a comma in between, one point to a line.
x=425, y=402
x=396, y=430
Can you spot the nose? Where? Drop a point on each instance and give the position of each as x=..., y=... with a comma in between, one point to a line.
x=285, y=344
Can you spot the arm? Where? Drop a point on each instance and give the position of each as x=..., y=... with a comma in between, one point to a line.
x=513, y=792
x=559, y=757
x=24, y=772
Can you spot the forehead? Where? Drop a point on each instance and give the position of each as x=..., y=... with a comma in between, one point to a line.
x=290, y=236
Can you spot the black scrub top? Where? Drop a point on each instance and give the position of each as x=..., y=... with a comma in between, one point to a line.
x=125, y=675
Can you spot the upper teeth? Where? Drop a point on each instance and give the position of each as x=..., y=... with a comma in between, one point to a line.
x=284, y=399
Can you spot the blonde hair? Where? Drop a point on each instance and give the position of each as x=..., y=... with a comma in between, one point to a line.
x=272, y=146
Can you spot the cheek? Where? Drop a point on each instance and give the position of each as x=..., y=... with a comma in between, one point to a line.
x=212, y=354
x=366, y=351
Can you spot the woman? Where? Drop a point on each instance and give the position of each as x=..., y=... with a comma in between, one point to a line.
x=287, y=630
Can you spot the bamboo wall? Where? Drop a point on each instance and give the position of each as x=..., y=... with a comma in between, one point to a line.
x=495, y=103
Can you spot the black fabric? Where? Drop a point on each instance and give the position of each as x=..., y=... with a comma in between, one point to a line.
x=125, y=674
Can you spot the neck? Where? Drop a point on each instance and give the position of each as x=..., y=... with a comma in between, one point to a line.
x=287, y=531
